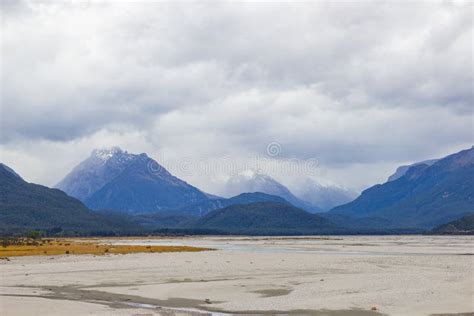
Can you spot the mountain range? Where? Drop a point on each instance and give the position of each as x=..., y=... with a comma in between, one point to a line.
x=133, y=194
x=425, y=196
x=135, y=183
x=27, y=206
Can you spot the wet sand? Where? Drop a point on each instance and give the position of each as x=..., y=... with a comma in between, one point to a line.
x=400, y=275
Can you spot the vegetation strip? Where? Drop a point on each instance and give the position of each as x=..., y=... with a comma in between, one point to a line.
x=14, y=247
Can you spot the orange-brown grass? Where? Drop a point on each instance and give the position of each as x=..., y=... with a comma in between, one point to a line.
x=69, y=246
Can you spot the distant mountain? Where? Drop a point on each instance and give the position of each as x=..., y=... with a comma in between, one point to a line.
x=115, y=179
x=25, y=206
x=324, y=196
x=202, y=208
x=403, y=169
x=424, y=197
x=250, y=181
x=262, y=218
x=464, y=225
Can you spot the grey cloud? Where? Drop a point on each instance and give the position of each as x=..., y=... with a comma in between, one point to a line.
x=385, y=81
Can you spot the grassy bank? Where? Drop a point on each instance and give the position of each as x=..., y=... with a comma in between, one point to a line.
x=47, y=247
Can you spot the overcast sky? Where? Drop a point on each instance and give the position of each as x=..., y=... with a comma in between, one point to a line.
x=360, y=87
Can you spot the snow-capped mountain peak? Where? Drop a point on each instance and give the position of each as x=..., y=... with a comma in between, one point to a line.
x=99, y=168
x=326, y=195
x=115, y=179
x=105, y=154
x=248, y=174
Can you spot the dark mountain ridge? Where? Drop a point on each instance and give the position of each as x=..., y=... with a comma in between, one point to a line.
x=202, y=208
x=463, y=225
x=403, y=169
x=263, y=217
x=25, y=206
